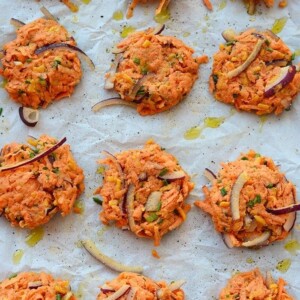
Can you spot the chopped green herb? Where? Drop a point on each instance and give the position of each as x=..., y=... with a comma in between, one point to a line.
x=45, y=168
x=144, y=70
x=257, y=155
x=56, y=63
x=42, y=81
x=162, y=148
x=151, y=217
x=271, y=185
x=13, y=275
x=27, y=81
x=32, y=154
x=244, y=158
x=230, y=43
x=159, y=206
x=29, y=60
x=215, y=78
x=58, y=297
x=141, y=91
x=20, y=92
x=235, y=95
x=165, y=182
x=293, y=56
x=254, y=201
x=1, y=111
x=55, y=170
x=223, y=191
x=163, y=172
x=269, y=49
x=267, y=42
x=137, y=61
x=97, y=200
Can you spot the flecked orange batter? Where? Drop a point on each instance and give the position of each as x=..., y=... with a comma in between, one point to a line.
x=32, y=194
x=252, y=285
x=162, y=67
x=141, y=171
x=265, y=187
x=37, y=80
x=246, y=90
x=35, y=286
x=141, y=287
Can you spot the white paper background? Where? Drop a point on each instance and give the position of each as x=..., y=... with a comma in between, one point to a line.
x=194, y=252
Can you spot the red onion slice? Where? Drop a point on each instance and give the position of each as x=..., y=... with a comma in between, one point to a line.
x=112, y=71
x=158, y=29
x=105, y=288
x=139, y=84
x=130, y=206
x=173, y=176
x=69, y=48
x=34, y=284
x=290, y=222
x=107, y=261
x=29, y=116
x=285, y=76
x=227, y=240
x=272, y=34
x=116, y=50
x=210, y=175
x=235, y=195
x=229, y=35
x=110, y=102
x=278, y=63
x=176, y=285
x=37, y=157
x=153, y=201
x=17, y=23
x=235, y=72
x=119, y=293
x=47, y=14
x=284, y=210
x=131, y=294
x=257, y=241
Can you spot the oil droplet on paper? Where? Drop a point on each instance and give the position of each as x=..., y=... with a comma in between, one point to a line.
x=86, y=1
x=292, y=246
x=213, y=122
x=78, y=207
x=284, y=265
x=250, y=260
x=118, y=15
x=209, y=122
x=127, y=30
x=193, y=133
x=222, y=4
x=279, y=25
x=262, y=121
x=35, y=236
x=162, y=17
x=17, y=256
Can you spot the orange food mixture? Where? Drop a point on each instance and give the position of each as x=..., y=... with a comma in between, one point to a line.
x=37, y=80
x=155, y=71
x=265, y=188
x=35, y=286
x=162, y=5
x=32, y=194
x=246, y=90
x=141, y=171
x=252, y=285
x=141, y=287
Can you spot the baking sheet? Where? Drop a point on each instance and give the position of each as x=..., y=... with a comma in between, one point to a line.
x=193, y=252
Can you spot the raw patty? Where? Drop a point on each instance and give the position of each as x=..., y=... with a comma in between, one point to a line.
x=37, y=80
x=137, y=194
x=30, y=285
x=32, y=194
x=140, y=287
x=265, y=187
x=252, y=285
x=155, y=71
x=246, y=91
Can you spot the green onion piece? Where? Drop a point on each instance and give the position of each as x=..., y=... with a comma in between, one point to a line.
x=223, y=191
x=163, y=172
x=97, y=200
x=151, y=217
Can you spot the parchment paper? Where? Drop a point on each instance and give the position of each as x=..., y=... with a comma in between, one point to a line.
x=194, y=252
